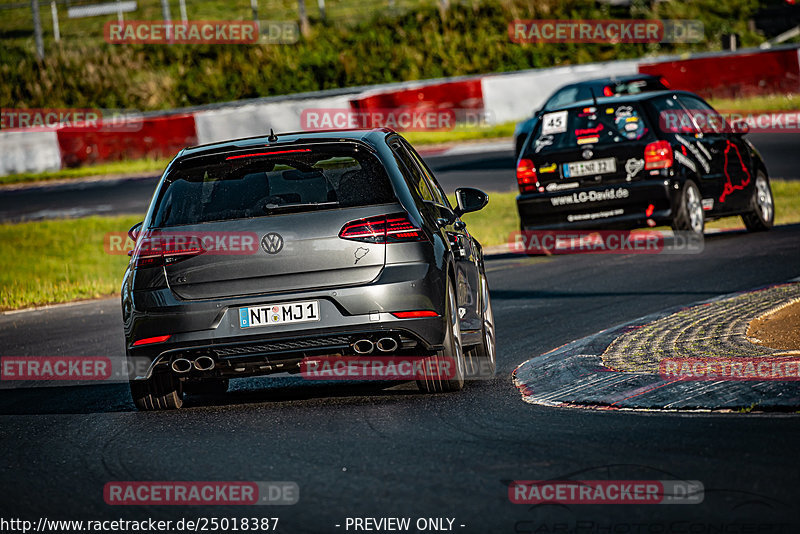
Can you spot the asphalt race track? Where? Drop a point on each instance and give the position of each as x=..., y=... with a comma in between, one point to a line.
x=492, y=171
x=385, y=450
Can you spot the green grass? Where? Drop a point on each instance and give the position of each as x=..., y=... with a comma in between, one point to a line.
x=461, y=133
x=64, y=260
x=789, y=102
x=59, y=261
x=103, y=169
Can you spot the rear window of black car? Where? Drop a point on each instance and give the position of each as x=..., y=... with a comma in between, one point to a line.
x=591, y=125
x=245, y=185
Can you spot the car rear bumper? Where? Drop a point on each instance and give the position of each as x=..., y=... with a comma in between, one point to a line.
x=624, y=205
x=347, y=314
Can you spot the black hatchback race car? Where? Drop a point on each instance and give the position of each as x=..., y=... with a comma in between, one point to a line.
x=575, y=92
x=656, y=158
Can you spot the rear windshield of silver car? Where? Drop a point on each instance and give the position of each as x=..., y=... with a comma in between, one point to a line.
x=591, y=125
x=270, y=181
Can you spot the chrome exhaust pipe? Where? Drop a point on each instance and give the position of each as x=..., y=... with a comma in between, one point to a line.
x=387, y=344
x=363, y=346
x=204, y=363
x=181, y=365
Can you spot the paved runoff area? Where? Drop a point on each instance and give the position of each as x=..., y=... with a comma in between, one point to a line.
x=692, y=358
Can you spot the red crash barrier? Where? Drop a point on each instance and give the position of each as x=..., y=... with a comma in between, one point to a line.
x=465, y=94
x=732, y=76
x=153, y=137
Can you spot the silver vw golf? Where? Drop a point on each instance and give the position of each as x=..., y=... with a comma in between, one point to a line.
x=257, y=254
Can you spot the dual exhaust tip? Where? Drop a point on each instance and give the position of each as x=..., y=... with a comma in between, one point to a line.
x=384, y=344
x=184, y=365
x=362, y=346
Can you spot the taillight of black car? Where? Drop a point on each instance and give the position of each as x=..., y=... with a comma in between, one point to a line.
x=395, y=228
x=658, y=155
x=526, y=176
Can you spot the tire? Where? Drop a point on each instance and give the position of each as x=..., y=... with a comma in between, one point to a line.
x=761, y=216
x=162, y=391
x=451, y=355
x=207, y=386
x=689, y=216
x=482, y=359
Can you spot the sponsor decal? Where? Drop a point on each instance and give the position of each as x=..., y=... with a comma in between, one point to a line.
x=632, y=168
x=708, y=204
x=359, y=253
x=558, y=187
x=588, y=131
x=590, y=196
x=595, y=215
x=624, y=111
x=588, y=140
x=554, y=123
x=544, y=169
x=730, y=187
x=686, y=162
x=543, y=141
x=747, y=369
x=696, y=153
x=704, y=150
x=606, y=491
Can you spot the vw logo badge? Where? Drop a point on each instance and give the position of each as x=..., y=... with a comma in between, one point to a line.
x=272, y=243
x=587, y=154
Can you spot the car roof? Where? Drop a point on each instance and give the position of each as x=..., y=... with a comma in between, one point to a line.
x=612, y=79
x=624, y=99
x=369, y=136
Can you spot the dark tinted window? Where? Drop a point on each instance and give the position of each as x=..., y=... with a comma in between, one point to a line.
x=310, y=179
x=563, y=97
x=705, y=118
x=637, y=86
x=434, y=187
x=604, y=124
x=416, y=180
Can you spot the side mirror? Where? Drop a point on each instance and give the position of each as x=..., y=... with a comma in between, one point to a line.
x=133, y=233
x=740, y=127
x=469, y=199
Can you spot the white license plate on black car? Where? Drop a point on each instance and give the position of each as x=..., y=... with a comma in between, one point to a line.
x=589, y=168
x=277, y=314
